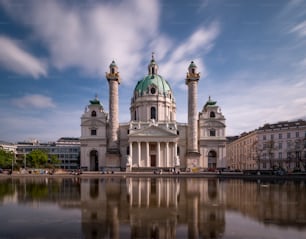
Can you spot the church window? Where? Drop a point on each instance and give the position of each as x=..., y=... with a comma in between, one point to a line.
x=113, y=71
x=212, y=132
x=178, y=132
x=135, y=115
x=128, y=131
x=93, y=132
x=153, y=90
x=153, y=71
x=93, y=113
x=128, y=150
x=153, y=113
x=178, y=150
x=212, y=114
x=192, y=71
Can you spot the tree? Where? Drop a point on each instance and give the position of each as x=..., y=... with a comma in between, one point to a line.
x=6, y=158
x=270, y=148
x=257, y=151
x=37, y=158
x=54, y=161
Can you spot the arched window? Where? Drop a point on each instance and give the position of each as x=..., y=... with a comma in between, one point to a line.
x=153, y=91
x=192, y=71
x=153, y=70
x=153, y=113
x=93, y=113
x=212, y=114
x=135, y=115
x=113, y=71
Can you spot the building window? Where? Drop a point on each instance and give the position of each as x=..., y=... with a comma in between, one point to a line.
x=272, y=136
x=264, y=137
x=93, y=132
x=280, y=136
x=212, y=114
x=178, y=150
x=135, y=115
x=288, y=135
x=280, y=155
x=93, y=113
x=128, y=150
x=212, y=132
x=153, y=91
x=178, y=132
x=297, y=134
x=280, y=145
x=153, y=113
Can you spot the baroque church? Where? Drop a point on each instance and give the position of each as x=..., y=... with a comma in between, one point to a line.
x=152, y=139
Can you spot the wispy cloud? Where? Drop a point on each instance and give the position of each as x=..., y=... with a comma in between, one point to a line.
x=300, y=29
x=16, y=59
x=91, y=36
x=34, y=101
x=194, y=48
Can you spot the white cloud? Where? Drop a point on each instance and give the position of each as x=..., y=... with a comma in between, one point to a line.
x=47, y=127
x=248, y=104
x=193, y=49
x=300, y=29
x=91, y=36
x=14, y=58
x=34, y=101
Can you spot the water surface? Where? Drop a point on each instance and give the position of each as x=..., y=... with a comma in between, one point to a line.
x=151, y=208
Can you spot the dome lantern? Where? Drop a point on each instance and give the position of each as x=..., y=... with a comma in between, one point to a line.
x=152, y=67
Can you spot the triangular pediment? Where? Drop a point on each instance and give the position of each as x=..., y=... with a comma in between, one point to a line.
x=153, y=131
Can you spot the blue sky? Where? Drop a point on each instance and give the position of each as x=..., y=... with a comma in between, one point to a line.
x=54, y=55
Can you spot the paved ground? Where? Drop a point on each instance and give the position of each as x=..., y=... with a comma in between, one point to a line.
x=228, y=175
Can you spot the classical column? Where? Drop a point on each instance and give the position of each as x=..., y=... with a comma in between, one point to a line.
x=113, y=79
x=131, y=149
x=158, y=154
x=139, y=153
x=148, y=154
x=167, y=155
x=191, y=81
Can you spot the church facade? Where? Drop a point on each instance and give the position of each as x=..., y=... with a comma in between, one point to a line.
x=152, y=139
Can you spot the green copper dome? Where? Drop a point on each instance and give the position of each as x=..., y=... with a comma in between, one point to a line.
x=157, y=82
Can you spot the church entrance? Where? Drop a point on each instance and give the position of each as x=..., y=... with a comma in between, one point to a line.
x=153, y=160
x=94, y=162
x=212, y=159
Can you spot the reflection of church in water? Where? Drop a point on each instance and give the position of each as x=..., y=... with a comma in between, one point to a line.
x=153, y=138
x=152, y=208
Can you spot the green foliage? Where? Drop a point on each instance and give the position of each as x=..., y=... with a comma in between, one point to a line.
x=37, y=158
x=54, y=161
x=6, y=158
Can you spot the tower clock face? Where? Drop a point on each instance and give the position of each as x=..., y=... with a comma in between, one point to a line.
x=153, y=91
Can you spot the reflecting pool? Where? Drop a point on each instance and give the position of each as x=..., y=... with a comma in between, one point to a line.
x=130, y=207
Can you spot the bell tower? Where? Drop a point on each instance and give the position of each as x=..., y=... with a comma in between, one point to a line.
x=192, y=78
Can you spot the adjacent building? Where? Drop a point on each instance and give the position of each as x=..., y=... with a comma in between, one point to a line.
x=66, y=149
x=281, y=144
x=152, y=139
